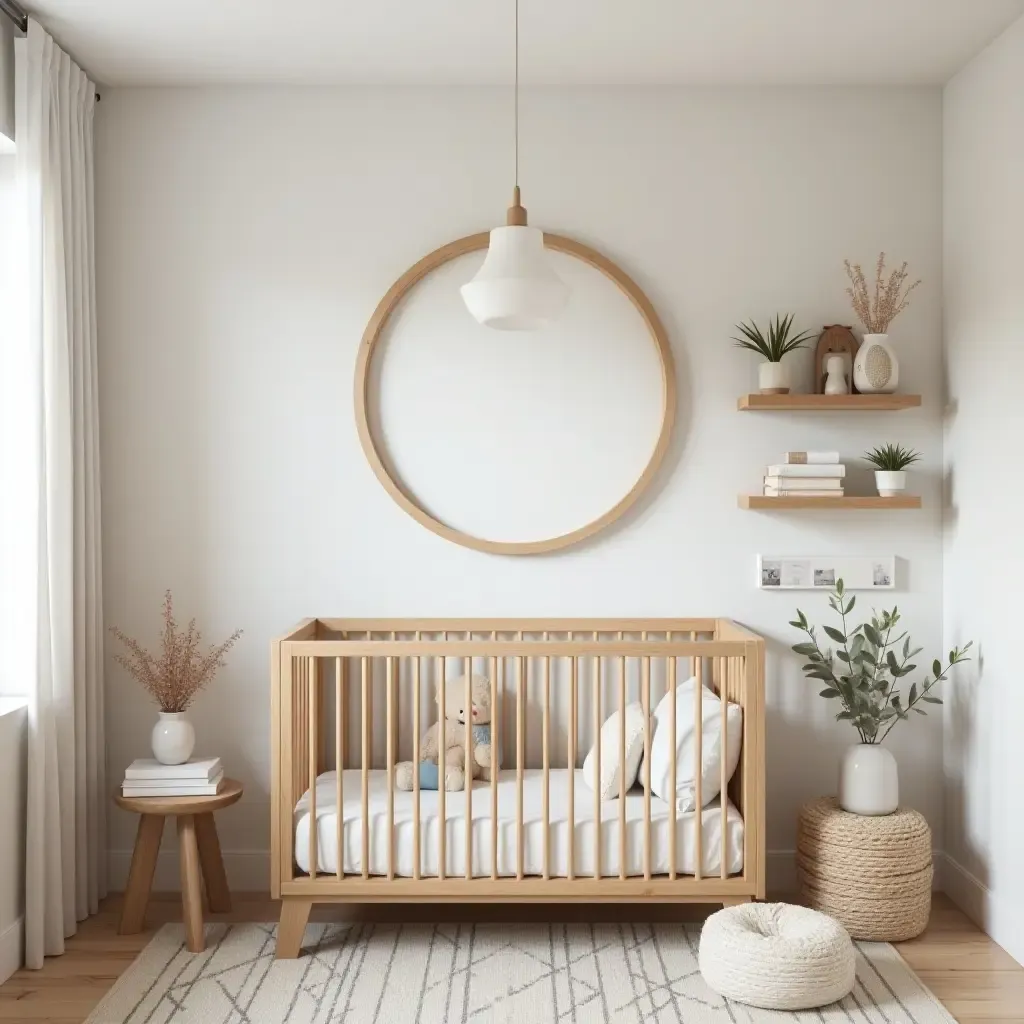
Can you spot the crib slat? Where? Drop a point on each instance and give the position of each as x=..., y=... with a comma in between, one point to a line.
x=645, y=683
x=546, y=754
x=367, y=746
x=698, y=760
x=725, y=671
x=442, y=764
x=672, y=773
x=339, y=763
x=391, y=765
x=416, y=765
x=622, y=762
x=495, y=767
x=470, y=767
x=597, y=764
x=311, y=681
x=520, y=760
x=571, y=773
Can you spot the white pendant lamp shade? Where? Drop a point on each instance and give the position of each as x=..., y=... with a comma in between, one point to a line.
x=516, y=289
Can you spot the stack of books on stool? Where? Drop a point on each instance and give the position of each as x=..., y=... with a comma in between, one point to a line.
x=196, y=777
x=806, y=475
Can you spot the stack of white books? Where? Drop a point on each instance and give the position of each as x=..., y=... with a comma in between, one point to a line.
x=196, y=777
x=806, y=475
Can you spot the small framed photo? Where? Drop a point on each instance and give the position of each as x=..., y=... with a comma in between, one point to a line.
x=778, y=572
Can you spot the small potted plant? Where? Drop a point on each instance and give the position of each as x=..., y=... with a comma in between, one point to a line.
x=773, y=375
x=173, y=679
x=864, y=673
x=876, y=370
x=890, y=462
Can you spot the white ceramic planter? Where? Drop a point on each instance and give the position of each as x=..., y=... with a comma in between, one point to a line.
x=890, y=483
x=876, y=370
x=773, y=378
x=173, y=738
x=868, y=780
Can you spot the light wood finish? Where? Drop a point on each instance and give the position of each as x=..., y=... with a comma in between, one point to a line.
x=140, y=876
x=672, y=772
x=735, y=656
x=416, y=729
x=291, y=927
x=218, y=895
x=622, y=763
x=191, y=883
x=364, y=376
x=495, y=767
x=828, y=403
x=442, y=794
x=978, y=982
x=313, y=707
x=468, y=741
x=724, y=666
x=698, y=761
x=198, y=850
x=848, y=502
x=340, y=700
x=598, y=722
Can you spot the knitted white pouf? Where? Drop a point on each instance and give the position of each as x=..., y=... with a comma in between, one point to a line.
x=776, y=956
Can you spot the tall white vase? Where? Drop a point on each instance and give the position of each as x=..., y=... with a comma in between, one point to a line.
x=173, y=738
x=869, y=780
x=876, y=370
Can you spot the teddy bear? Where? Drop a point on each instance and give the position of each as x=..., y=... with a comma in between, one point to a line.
x=457, y=764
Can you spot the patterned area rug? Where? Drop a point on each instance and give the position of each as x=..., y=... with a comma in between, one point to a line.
x=527, y=974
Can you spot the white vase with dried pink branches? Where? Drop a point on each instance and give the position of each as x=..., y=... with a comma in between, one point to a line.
x=173, y=679
x=876, y=370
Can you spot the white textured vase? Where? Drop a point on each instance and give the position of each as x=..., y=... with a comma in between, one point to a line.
x=868, y=780
x=876, y=370
x=773, y=378
x=173, y=738
x=890, y=482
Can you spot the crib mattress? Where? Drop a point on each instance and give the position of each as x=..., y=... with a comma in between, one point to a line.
x=533, y=830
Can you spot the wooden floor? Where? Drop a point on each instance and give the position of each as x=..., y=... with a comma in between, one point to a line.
x=977, y=980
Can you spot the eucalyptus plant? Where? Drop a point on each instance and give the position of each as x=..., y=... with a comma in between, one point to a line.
x=866, y=670
x=774, y=343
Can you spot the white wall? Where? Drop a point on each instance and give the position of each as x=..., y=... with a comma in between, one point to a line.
x=984, y=547
x=244, y=238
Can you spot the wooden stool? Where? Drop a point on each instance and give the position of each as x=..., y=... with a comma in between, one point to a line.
x=198, y=845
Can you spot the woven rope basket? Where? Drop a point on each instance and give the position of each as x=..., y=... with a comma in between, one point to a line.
x=873, y=875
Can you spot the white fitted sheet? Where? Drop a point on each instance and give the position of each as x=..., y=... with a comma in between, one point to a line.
x=533, y=829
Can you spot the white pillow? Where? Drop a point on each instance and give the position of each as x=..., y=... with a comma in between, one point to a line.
x=610, y=767
x=682, y=788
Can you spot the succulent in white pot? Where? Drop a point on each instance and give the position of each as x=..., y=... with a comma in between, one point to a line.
x=864, y=673
x=777, y=342
x=890, y=462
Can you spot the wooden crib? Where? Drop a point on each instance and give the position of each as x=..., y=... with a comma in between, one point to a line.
x=355, y=695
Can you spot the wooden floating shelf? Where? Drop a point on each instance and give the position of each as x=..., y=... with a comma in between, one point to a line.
x=829, y=403
x=768, y=503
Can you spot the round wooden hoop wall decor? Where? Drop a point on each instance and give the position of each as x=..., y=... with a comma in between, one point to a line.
x=375, y=329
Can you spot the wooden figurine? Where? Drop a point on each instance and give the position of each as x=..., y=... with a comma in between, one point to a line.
x=834, y=339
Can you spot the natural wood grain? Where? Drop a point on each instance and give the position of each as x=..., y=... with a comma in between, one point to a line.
x=848, y=502
x=977, y=981
x=218, y=895
x=291, y=928
x=229, y=792
x=827, y=403
x=140, y=876
x=191, y=883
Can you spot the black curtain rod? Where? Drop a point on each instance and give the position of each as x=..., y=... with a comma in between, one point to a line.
x=16, y=14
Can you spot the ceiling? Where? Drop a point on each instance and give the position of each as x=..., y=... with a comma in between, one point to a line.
x=563, y=41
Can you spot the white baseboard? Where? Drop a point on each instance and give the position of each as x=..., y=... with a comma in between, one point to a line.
x=995, y=916
x=12, y=948
x=247, y=870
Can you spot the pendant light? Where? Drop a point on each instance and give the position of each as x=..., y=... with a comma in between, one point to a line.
x=516, y=289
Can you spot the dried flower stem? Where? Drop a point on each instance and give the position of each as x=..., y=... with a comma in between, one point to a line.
x=890, y=299
x=175, y=677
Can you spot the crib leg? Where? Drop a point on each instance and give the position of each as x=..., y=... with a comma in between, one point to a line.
x=294, y=915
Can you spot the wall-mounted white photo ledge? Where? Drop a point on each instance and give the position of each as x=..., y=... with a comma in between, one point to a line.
x=802, y=572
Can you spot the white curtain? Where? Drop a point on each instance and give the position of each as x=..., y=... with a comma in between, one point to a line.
x=57, y=476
